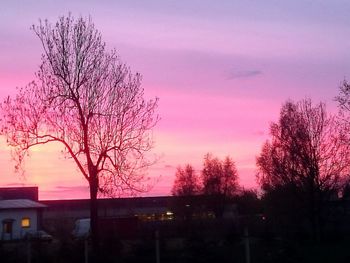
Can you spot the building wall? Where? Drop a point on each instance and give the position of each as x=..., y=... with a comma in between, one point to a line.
x=18, y=231
x=30, y=193
x=59, y=217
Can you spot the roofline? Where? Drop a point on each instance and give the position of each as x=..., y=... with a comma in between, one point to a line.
x=131, y=198
x=22, y=208
x=113, y=198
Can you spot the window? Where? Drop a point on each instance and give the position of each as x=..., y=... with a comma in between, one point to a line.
x=7, y=226
x=25, y=222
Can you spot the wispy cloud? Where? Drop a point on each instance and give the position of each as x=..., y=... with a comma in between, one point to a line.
x=64, y=192
x=65, y=189
x=234, y=74
x=70, y=188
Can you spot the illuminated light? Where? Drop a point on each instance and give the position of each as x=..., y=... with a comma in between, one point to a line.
x=25, y=222
x=187, y=205
x=169, y=213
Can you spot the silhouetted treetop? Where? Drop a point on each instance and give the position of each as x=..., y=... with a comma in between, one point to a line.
x=305, y=149
x=186, y=182
x=219, y=177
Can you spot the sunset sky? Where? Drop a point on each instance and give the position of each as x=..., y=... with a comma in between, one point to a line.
x=221, y=70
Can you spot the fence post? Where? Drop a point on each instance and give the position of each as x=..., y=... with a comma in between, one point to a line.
x=86, y=250
x=29, y=250
x=246, y=245
x=157, y=247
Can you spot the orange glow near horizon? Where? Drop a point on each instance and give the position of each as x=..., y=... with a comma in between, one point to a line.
x=58, y=177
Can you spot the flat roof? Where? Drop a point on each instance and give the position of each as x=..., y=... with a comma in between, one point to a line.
x=20, y=204
x=131, y=202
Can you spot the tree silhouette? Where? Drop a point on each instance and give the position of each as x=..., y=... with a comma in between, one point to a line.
x=248, y=202
x=343, y=100
x=305, y=156
x=211, y=175
x=186, y=182
x=229, y=177
x=85, y=98
x=220, y=181
x=219, y=177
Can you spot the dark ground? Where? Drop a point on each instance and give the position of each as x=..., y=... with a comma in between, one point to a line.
x=194, y=249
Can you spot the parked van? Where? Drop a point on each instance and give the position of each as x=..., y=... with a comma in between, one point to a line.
x=82, y=228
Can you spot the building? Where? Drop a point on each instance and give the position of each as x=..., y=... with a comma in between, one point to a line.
x=19, y=217
x=161, y=208
x=59, y=217
x=31, y=193
x=140, y=215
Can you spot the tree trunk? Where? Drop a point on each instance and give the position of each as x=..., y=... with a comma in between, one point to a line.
x=94, y=215
x=315, y=214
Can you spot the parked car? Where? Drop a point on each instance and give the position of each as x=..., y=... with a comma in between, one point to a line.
x=39, y=235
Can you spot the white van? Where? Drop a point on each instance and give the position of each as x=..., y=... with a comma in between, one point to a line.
x=82, y=228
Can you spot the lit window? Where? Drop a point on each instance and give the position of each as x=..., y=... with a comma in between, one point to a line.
x=25, y=222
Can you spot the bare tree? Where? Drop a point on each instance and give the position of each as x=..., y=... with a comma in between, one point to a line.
x=186, y=182
x=219, y=177
x=305, y=155
x=89, y=101
x=211, y=175
x=343, y=100
x=229, y=177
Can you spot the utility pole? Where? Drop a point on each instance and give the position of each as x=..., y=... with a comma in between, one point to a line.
x=246, y=245
x=157, y=247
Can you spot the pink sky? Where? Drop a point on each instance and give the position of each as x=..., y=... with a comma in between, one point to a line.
x=221, y=72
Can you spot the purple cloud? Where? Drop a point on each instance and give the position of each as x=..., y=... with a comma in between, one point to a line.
x=244, y=74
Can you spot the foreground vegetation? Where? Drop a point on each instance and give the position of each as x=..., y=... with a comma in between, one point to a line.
x=193, y=249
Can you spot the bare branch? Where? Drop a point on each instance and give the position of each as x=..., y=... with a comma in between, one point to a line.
x=87, y=99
